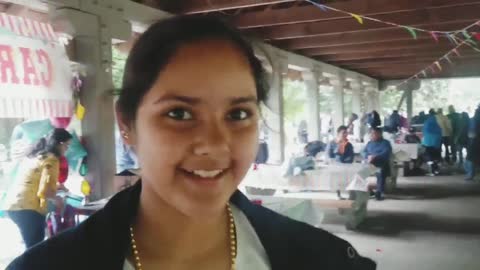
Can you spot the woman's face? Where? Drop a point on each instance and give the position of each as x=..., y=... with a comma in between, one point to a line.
x=196, y=129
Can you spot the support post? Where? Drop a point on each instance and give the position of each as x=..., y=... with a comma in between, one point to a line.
x=313, y=107
x=274, y=113
x=339, y=111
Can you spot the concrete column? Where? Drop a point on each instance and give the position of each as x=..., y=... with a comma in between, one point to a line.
x=93, y=29
x=356, y=98
x=339, y=112
x=409, y=100
x=274, y=112
x=313, y=107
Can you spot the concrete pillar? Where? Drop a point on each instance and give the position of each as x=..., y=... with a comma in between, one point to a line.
x=93, y=29
x=313, y=107
x=409, y=100
x=356, y=98
x=274, y=112
x=339, y=111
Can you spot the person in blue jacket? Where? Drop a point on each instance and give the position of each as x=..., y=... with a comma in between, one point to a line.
x=378, y=153
x=341, y=149
x=432, y=140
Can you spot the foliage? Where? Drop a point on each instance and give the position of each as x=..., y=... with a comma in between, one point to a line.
x=118, y=66
x=294, y=99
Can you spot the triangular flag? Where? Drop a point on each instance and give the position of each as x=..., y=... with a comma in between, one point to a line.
x=438, y=65
x=432, y=69
x=80, y=112
x=477, y=36
x=448, y=59
x=451, y=39
x=456, y=52
x=357, y=17
x=412, y=31
x=424, y=73
x=466, y=34
x=434, y=35
x=320, y=6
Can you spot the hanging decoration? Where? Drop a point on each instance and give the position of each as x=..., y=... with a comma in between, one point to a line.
x=357, y=17
x=80, y=111
x=468, y=38
x=413, y=30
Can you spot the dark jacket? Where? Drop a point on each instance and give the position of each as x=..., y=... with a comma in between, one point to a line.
x=102, y=241
x=346, y=157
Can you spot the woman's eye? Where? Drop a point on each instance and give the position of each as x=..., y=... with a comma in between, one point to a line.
x=238, y=115
x=180, y=114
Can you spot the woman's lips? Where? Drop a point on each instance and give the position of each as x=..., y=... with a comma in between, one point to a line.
x=207, y=177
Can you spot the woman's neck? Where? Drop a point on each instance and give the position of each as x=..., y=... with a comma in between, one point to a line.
x=164, y=233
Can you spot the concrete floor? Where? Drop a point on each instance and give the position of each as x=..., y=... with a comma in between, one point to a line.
x=429, y=223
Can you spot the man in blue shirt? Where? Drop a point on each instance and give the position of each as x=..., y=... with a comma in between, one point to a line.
x=378, y=153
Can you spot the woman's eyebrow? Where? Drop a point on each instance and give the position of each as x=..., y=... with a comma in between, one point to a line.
x=185, y=99
x=247, y=99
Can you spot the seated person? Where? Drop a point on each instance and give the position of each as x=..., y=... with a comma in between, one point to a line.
x=411, y=137
x=378, y=152
x=340, y=149
x=314, y=147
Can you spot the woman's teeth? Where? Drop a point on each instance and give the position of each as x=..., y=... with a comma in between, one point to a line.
x=207, y=174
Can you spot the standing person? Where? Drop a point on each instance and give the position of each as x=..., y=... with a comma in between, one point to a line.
x=378, y=152
x=394, y=122
x=455, y=123
x=341, y=149
x=446, y=128
x=473, y=148
x=195, y=141
x=432, y=140
x=374, y=119
x=26, y=203
x=302, y=132
x=462, y=135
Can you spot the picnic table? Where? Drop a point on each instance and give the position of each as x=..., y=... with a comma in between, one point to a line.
x=327, y=180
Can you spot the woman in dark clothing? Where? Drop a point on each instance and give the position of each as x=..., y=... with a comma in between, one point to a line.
x=195, y=140
x=374, y=119
x=461, y=139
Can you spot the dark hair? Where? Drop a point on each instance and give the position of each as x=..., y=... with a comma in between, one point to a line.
x=155, y=48
x=50, y=143
x=432, y=112
x=341, y=128
x=377, y=129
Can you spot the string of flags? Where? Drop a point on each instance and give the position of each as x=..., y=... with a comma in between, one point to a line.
x=436, y=66
x=410, y=29
x=468, y=38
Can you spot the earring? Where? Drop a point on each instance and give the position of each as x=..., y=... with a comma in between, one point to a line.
x=124, y=134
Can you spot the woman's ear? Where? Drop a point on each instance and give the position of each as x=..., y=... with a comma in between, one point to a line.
x=127, y=132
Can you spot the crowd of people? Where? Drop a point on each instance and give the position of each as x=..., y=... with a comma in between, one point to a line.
x=456, y=133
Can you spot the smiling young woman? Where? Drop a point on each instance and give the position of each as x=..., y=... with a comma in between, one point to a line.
x=189, y=108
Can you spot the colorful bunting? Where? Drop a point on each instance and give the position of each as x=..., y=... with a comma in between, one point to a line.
x=448, y=59
x=435, y=36
x=456, y=52
x=412, y=31
x=466, y=34
x=357, y=17
x=80, y=112
x=437, y=63
x=477, y=36
x=424, y=73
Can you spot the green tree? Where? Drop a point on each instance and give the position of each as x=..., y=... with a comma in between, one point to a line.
x=294, y=99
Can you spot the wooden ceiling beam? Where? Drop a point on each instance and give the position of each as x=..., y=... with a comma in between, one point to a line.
x=355, y=38
x=203, y=6
x=381, y=46
x=311, y=13
x=420, y=18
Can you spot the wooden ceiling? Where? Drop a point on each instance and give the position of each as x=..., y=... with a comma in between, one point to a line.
x=375, y=49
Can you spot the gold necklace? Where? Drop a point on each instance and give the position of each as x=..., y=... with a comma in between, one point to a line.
x=233, y=242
